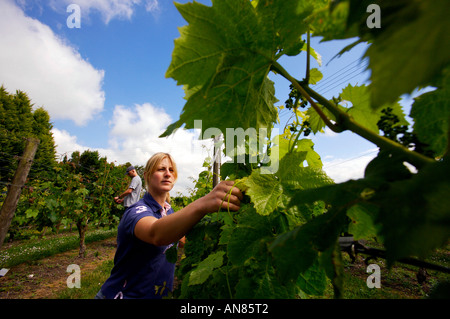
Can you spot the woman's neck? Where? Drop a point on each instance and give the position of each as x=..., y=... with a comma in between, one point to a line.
x=159, y=197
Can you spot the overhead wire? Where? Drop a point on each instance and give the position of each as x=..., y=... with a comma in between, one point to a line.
x=343, y=72
x=350, y=76
x=350, y=159
x=343, y=75
x=336, y=79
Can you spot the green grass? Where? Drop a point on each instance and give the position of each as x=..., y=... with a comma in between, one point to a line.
x=35, y=250
x=90, y=283
x=397, y=282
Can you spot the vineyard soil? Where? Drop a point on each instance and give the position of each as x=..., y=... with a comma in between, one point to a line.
x=43, y=279
x=46, y=278
x=399, y=282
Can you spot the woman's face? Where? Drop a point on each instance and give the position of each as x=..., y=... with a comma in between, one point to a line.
x=163, y=179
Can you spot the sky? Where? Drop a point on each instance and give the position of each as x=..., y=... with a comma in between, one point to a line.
x=104, y=86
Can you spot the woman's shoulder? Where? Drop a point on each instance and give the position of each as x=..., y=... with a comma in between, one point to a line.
x=140, y=207
x=146, y=206
x=134, y=213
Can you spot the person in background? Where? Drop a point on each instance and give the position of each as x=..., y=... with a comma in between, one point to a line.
x=133, y=192
x=150, y=227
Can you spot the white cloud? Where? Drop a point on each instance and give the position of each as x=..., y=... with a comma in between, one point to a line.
x=53, y=74
x=134, y=138
x=152, y=6
x=140, y=120
x=109, y=9
x=66, y=143
x=344, y=169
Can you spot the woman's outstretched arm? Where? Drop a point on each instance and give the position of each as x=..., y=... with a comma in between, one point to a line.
x=167, y=230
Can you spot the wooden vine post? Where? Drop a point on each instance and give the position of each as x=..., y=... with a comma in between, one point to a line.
x=216, y=161
x=12, y=198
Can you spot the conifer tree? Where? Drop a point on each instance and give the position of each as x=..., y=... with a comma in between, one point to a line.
x=18, y=121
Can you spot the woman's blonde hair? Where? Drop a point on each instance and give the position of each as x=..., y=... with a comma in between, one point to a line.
x=152, y=166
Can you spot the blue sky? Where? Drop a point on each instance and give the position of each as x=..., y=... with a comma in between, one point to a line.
x=105, y=88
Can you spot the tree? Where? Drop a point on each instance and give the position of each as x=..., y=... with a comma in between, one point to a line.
x=46, y=154
x=78, y=190
x=91, y=183
x=18, y=121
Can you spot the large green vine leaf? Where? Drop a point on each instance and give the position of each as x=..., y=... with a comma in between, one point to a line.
x=431, y=113
x=414, y=213
x=362, y=221
x=265, y=191
x=361, y=109
x=297, y=250
x=246, y=239
x=409, y=50
x=408, y=213
x=205, y=268
x=313, y=280
x=224, y=55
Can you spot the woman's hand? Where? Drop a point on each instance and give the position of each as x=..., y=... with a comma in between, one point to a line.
x=224, y=196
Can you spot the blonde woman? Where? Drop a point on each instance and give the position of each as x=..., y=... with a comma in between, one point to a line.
x=149, y=227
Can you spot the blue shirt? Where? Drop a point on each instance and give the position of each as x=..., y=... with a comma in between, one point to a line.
x=140, y=270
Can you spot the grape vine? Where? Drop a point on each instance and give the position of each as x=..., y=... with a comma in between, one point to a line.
x=283, y=242
x=77, y=192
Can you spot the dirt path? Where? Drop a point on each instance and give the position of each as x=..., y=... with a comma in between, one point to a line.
x=43, y=278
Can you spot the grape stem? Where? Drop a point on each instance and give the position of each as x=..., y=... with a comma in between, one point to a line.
x=308, y=56
x=346, y=122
